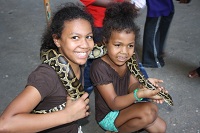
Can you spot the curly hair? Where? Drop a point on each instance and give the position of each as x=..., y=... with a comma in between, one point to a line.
x=69, y=12
x=120, y=17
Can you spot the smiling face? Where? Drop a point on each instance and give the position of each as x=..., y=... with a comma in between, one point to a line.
x=120, y=47
x=76, y=41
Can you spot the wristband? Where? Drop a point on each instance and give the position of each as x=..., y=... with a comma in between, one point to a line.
x=135, y=95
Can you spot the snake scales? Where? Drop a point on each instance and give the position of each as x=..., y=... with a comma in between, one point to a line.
x=72, y=84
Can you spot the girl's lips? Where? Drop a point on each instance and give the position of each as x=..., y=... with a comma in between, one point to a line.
x=82, y=54
x=121, y=58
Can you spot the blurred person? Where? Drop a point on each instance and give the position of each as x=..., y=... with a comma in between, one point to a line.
x=158, y=20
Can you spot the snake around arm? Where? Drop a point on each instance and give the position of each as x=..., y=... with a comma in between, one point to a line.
x=72, y=85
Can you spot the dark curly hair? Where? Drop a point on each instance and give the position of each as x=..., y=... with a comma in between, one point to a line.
x=69, y=12
x=120, y=17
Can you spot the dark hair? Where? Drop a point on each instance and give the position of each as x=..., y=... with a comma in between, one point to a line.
x=69, y=12
x=120, y=17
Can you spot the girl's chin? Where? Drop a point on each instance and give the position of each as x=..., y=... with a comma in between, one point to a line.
x=121, y=63
x=82, y=62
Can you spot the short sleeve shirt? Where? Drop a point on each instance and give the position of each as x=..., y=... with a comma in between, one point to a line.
x=101, y=73
x=53, y=93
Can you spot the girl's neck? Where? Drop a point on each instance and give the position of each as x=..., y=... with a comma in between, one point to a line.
x=76, y=69
x=119, y=69
x=77, y=72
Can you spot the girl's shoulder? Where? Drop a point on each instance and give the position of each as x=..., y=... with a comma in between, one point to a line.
x=101, y=72
x=43, y=78
x=99, y=64
x=44, y=69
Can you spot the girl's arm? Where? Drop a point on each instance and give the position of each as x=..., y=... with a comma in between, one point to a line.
x=119, y=102
x=102, y=3
x=105, y=3
x=133, y=84
x=114, y=101
x=152, y=94
x=17, y=117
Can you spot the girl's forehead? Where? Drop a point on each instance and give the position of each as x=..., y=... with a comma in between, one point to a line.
x=79, y=26
x=122, y=36
x=75, y=23
x=123, y=32
x=76, y=20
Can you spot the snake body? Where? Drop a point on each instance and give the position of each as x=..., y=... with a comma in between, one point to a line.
x=134, y=69
x=72, y=85
x=64, y=71
x=66, y=74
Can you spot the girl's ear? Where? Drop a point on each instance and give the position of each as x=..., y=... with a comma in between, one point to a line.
x=56, y=40
x=104, y=41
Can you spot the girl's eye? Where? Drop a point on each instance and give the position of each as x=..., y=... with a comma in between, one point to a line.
x=89, y=37
x=75, y=37
x=117, y=45
x=130, y=45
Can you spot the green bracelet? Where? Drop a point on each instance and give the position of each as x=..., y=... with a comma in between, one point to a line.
x=135, y=95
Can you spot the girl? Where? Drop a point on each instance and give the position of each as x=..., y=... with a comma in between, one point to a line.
x=116, y=90
x=70, y=33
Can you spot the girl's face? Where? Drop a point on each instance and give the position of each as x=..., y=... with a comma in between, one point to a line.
x=76, y=41
x=121, y=47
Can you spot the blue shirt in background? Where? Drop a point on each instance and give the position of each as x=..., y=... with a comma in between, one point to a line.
x=156, y=8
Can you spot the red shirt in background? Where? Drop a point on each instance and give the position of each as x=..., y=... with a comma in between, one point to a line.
x=97, y=12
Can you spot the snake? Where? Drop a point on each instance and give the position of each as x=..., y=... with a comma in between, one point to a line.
x=73, y=86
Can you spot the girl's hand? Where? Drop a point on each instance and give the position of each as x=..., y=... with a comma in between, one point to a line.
x=79, y=108
x=152, y=94
x=146, y=93
x=160, y=101
x=155, y=81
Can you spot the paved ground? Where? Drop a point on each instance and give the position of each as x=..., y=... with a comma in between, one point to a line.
x=23, y=21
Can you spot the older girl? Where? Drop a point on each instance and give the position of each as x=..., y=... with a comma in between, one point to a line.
x=70, y=33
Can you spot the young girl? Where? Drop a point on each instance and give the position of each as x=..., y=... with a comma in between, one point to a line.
x=70, y=33
x=116, y=90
